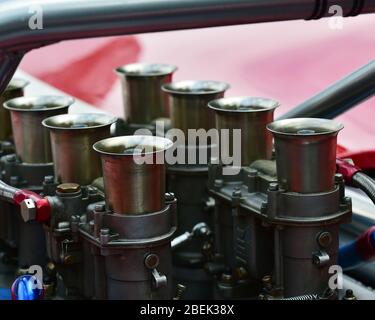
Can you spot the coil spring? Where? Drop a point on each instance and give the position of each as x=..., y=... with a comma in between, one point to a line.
x=304, y=297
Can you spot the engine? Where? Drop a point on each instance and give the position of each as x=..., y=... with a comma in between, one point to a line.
x=191, y=196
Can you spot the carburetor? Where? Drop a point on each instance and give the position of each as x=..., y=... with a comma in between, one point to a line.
x=143, y=101
x=189, y=113
x=13, y=90
x=133, y=231
x=28, y=167
x=75, y=188
x=101, y=211
x=277, y=220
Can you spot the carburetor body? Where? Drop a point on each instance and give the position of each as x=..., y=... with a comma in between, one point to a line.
x=28, y=167
x=75, y=189
x=134, y=232
x=277, y=221
x=189, y=113
x=14, y=89
x=109, y=239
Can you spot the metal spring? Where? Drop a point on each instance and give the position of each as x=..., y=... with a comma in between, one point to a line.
x=304, y=297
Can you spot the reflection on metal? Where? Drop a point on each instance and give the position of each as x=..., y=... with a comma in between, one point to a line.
x=305, y=153
x=250, y=115
x=13, y=90
x=142, y=97
x=72, y=137
x=188, y=102
x=31, y=140
x=133, y=188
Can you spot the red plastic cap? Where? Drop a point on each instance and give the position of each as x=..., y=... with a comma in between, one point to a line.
x=43, y=207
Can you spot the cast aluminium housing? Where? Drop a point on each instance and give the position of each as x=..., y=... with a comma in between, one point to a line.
x=74, y=19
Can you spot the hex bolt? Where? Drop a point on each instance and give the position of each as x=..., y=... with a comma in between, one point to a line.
x=339, y=178
x=218, y=183
x=92, y=190
x=99, y=208
x=267, y=282
x=49, y=179
x=237, y=193
x=74, y=223
x=91, y=226
x=104, y=231
x=104, y=235
x=227, y=277
x=263, y=207
x=349, y=295
x=324, y=239
x=274, y=186
x=68, y=188
x=51, y=268
x=252, y=173
x=241, y=273
x=152, y=261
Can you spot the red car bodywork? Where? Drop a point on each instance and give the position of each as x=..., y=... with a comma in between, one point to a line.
x=288, y=61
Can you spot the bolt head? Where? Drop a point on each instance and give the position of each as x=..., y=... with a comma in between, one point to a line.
x=237, y=193
x=252, y=172
x=227, y=277
x=99, y=208
x=28, y=210
x=267, y=279
x=263, y=207
x=218, y=183
x=152, y=261
x=349, y=295
x=241, y=273
x=339, y=178
x=104, y=231
x=68, y=187
x=274, y=186
x=325, y=239
x=69, y=259
x=49, y=179
x=51, y=267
